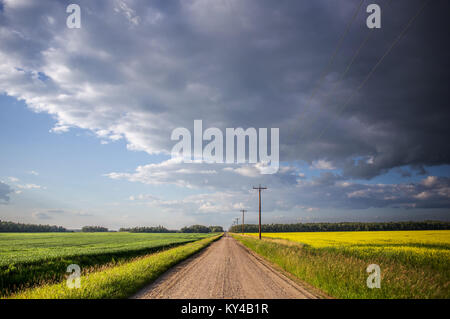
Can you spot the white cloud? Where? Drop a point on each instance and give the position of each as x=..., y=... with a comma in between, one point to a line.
x=322, y=165
x=207, y=203
x=202, y=175
x=430, y=181
x=360, y=193
x=129, y=13
x=248, y=171
x=345, y=184
x=30, y=186
x=151, y=79
x=12, y=4
x=423, y=195
x=141, y=197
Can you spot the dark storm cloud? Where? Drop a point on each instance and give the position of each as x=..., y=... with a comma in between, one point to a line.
x=250, y=64
x=41, y=215
x=5, y=190
x=400, y=117
x=327, y=191
x=53, y=213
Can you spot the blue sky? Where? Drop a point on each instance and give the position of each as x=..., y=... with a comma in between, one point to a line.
x=68, y=167
x=86, y=114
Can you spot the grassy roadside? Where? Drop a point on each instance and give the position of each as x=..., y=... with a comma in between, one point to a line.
x=342, y=275
x=120, y=281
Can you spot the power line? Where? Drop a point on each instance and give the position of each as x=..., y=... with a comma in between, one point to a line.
x=333, y=56
x=399, y=37
x=243, y=212
x=341, y=77
x=343, y=74
x=235, y=13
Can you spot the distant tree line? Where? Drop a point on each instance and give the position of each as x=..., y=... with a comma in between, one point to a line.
x=157, y=229
x=345, y=226
x=11, y=227
x=94, y=229
x=161, y=229
x=216, y=229
x=201, y=229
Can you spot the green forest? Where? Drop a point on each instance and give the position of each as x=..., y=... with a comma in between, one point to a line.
x=10, y=227
x=346, y=226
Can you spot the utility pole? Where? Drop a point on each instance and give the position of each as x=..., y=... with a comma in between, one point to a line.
x=259, y=188
x=243, y=211
x=235, y=221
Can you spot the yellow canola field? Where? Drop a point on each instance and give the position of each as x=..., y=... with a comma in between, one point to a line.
x=357, y=238
x=431, y=247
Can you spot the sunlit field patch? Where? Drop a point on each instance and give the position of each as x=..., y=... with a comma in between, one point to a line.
x=414, y=264
x=120, y=281
x=28, y=259
x=440, y=238
x=427, y=247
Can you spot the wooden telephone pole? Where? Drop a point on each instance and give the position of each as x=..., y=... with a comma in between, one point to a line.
x=259, y=188
x=236, y=221
x=243, y=211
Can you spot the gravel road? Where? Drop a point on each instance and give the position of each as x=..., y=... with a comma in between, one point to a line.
x=225, y=269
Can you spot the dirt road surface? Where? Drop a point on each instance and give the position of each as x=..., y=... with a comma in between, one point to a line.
x=225, y=269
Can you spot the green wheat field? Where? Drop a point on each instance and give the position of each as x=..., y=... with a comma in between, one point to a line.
x=29, y=260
